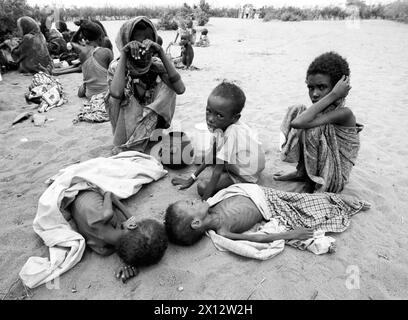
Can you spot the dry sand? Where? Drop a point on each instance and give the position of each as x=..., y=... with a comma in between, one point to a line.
x=269, y=61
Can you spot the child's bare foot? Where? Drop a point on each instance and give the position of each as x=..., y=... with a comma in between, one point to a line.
x=355, y=203
x=115, y=150
x=293, y=176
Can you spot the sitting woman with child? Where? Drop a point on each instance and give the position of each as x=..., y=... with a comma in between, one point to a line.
x=31, y=54
x=324, y=138
x=142, y=87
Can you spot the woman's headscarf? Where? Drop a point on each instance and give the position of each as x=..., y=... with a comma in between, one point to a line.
x=124, y=37
x=28, y=25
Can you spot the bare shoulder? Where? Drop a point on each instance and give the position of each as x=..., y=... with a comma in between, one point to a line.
x=346, y=117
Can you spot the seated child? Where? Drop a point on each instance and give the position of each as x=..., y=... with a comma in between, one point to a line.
x=324, y=138
x=186, y=221
x=108, y=226
x=239, y=156
x=203, y=41
x=94, y=60
x=187, y=54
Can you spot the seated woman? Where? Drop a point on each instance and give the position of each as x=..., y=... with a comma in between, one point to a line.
x=324, y=138
x=142, y=88
x=31, y=54
x=56, y=43
x=79, y=35
x=94, y=60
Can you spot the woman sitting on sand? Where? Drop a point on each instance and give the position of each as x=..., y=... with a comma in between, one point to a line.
x=142, y=88
x=324, y=138
x=94, y=60
x=31, y=54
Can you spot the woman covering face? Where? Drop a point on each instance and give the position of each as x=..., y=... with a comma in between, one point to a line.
x=143, y=84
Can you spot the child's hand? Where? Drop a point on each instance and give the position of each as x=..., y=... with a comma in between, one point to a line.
x=302, y=234
x=126, y=272
x=182, y=183
x=342, y=87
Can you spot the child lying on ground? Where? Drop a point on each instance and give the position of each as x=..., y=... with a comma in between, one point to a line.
x=186, y=221
x=324, y=138
x=239, y=157
x=107, y=229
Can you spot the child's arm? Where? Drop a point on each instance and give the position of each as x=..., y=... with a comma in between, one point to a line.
x=342, y=116
x=187, y=183
x=212, y=185
x=176, y=83
x=300, y=234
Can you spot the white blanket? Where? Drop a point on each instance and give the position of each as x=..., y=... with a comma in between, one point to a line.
x=123, y=175
x=319, y=244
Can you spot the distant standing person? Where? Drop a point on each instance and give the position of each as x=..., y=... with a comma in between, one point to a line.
x=31, y=54
x=142, y=87
x=324, y=138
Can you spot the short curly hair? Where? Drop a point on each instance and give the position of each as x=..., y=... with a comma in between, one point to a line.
x=331, y=64
x=145, y=245
x=178, y=227
x=230, y=91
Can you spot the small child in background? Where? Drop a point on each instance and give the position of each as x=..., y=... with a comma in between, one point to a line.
x=107, y=229
x=185, y=60
x=203, y=41
x=238, y=155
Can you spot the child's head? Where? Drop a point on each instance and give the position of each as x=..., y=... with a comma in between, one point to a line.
x=323, y=74
x=184, y=221
x=204, y=32
x=91, y=31
x=224, y=106
x=144, y=245
x=184, y=39
x=189, y=24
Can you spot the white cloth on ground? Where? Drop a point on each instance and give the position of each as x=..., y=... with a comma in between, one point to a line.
x=123, y=175
x=319, y=244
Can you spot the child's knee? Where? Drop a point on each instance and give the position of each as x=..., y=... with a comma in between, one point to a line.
x=81, y=91
x=201, y=185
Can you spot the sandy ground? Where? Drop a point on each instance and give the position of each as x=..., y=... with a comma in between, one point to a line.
x=269, y=61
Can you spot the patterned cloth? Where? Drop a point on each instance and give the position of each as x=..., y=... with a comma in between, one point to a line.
x=321, y=211
x=47, y=91
x=328, y=152
x=93, y=110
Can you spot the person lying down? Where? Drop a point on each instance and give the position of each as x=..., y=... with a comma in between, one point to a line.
x=108, y=227
x=239, y=207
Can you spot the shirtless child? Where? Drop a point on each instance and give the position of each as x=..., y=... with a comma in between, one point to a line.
x=108, y=227
x=238, y=208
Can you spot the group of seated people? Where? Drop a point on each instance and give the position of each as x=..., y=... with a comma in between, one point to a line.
x=141, y=87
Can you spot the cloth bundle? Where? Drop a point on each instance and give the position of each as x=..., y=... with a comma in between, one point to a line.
x=93, y=110
x=47, y=91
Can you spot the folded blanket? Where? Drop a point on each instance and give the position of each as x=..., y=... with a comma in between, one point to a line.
x=123, y=175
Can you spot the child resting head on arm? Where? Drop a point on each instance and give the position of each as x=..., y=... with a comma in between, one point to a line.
x=108, y=227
